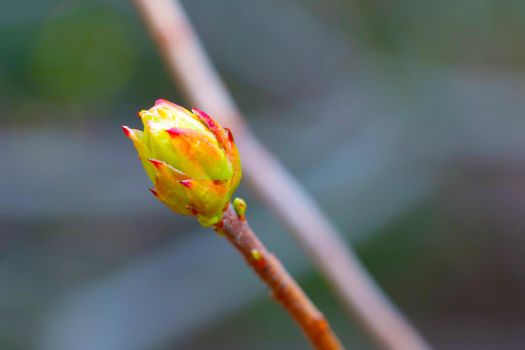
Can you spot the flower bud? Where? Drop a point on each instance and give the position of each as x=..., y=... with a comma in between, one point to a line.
x=191, y=159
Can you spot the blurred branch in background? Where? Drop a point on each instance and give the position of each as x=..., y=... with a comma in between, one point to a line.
x=191, y=67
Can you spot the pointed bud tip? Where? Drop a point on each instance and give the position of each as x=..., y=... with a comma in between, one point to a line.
x=174, y=131
x=156, y=163
x=192, y=210
x=163, y=102
x=142, y=113
x=200, y=113
x=230, y=135
x=127, y=131
x=186, y=183
x=212, y=125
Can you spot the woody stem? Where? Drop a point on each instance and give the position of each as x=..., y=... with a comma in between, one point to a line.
x=283, y=287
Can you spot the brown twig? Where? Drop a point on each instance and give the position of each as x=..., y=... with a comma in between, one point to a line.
x=283, y=287
x=191, y=68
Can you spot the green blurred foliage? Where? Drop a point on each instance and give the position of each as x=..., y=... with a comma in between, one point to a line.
x=70, y=61
x=84, y=53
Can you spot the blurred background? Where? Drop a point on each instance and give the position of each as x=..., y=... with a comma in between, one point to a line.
x=405, y=119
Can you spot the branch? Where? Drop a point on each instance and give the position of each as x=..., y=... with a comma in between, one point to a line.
x=357, y=291
x=283, y=287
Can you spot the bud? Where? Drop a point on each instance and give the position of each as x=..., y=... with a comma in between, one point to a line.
x=191, y=159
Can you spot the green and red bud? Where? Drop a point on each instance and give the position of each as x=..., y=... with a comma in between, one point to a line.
x=191, y=159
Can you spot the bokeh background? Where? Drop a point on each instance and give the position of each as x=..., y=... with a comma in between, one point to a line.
x=405, y=119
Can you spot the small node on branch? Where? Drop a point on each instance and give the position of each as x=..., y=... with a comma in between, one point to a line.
x=258, y=258
x=240, y=206
x=256, y=254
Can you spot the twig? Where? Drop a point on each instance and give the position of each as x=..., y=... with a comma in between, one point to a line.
x=283, y=287
x=191, y=68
